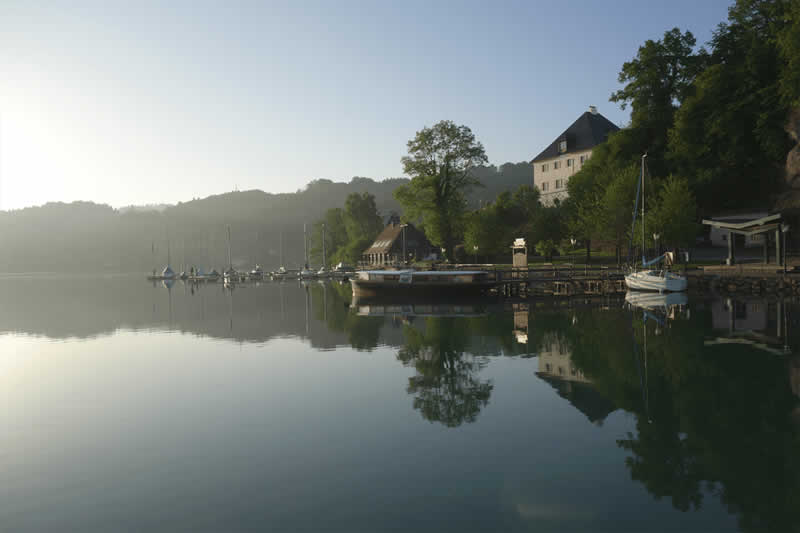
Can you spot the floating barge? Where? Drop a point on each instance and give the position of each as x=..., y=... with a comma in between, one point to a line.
x=368, y=283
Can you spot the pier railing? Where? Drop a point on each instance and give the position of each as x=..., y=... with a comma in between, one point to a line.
x=545, y=272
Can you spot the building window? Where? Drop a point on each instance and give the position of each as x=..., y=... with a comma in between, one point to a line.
x=569, y=162
x=560, y=184
x=562, y=146
x=544, y=167
x=556, y=165
x=545, y=186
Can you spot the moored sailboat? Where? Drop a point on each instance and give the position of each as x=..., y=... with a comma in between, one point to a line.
x=648, y=279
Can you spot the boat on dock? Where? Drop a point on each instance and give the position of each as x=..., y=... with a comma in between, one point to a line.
x=282, y=274
x=366, y=283
x=257, y=274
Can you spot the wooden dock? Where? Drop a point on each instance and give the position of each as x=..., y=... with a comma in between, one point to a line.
x=558, y=280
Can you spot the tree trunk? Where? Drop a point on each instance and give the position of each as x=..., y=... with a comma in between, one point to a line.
x=588, y=250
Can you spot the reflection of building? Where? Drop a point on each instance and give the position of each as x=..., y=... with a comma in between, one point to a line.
x=557, y=369
x=422, y=310
x=739, y=316
x=761, y=324
x=555, y=360
x=393, y=241
x=521, y=322
x=794, y=375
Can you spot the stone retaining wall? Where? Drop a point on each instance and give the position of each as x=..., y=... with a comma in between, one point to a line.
x=782, y=285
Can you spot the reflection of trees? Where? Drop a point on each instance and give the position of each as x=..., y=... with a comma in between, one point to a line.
x=710, y=419
x=446, y=388
x=332, y=305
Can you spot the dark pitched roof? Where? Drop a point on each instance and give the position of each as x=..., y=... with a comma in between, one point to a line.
x=384, y=241
x=582, y=396
x=588, y=131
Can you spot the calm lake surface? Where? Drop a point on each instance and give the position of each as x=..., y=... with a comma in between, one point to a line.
x=129, y=406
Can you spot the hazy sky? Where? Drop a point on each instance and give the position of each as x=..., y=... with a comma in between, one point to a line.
x=135, y=102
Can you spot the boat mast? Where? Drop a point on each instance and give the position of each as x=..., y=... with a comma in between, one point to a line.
x=323, y=246
x=643, y=241
x=305, y=247
x=281, y=246
x=230, y=263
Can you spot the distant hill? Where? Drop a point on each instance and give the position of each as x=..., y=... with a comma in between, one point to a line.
x=143, y=208
x=87, y=237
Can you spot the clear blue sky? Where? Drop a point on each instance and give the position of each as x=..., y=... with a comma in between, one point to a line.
x=135, y=102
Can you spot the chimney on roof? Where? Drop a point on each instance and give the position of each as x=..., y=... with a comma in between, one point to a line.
x=593, y=110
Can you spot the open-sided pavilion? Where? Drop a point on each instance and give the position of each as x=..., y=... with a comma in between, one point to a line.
x=764, y=225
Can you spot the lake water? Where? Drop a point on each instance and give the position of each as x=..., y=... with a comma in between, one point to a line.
x=129, y=406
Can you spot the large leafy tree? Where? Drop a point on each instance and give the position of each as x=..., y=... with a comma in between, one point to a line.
x=729, y=131
x=585, y=207
x=656, y=81
x=334, y=232
x=348, y=231
x=675, y=214
x=361, y=216
x=439, y=162
x=614, y=210
x=519, y=214
x=789, y=48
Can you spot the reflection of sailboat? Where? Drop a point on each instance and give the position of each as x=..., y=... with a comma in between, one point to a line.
x=651, y=280
x=656, y=302
x=643, y=381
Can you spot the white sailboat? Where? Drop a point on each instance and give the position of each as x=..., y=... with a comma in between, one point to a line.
x=229, y=275
x=306, y=272
x=651, y=279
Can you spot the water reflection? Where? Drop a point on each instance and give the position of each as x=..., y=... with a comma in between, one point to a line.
x=712, y=386
x=447, y=387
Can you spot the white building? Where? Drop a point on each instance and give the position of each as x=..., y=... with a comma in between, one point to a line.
x=719, y=236
x=567, y=154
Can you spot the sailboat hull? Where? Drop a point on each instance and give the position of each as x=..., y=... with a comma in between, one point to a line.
x=651, y=280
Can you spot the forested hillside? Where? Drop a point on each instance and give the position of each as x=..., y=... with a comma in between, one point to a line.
x=87, y=237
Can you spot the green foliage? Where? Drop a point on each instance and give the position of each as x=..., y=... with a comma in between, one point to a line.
x=494, y=227
x=491, y=229
x=789, y=47
x=348, y=231
x=601, y=194
x=546, y=248
x=729, y=133
x=716, y=119
x=361, y=217
x=439, y=161
x=614, y=213
x=675, y=213
x=658, y=77
x=335, y=235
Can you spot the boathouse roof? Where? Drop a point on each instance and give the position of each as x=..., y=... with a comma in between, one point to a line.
x=588, y=131
x=391, y=233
